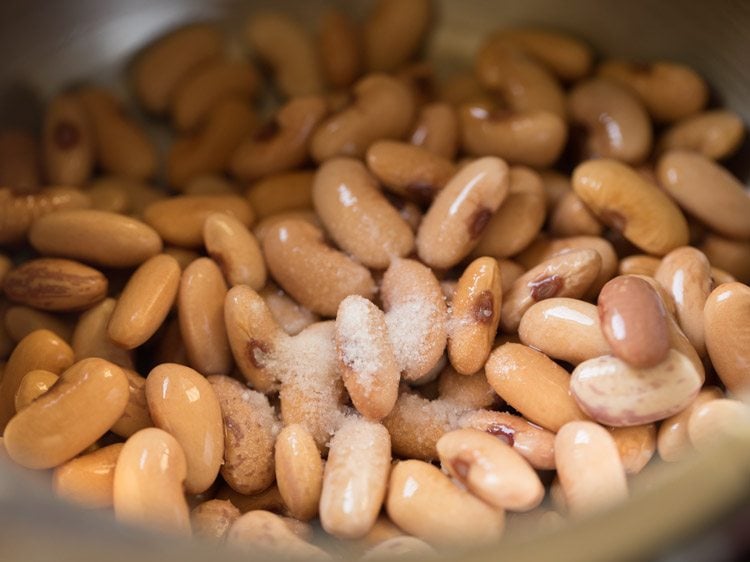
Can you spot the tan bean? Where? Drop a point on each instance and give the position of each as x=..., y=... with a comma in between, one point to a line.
x=268, y=499
x=616, y=123
x=436, y=129
x=33, y=385
x=461, y=212
x=733, y=256
x=366, y=360
x=623, y=200
x=509, y=272
x=20, y=169
x=109, y=197
x=415, y=315
x=616, y=394
x=383, y=108
x=490, y=469
x=634, y=321
x=148, y=484
x=716, y=419
x=51, y=430
x=284, y=45
x=20, y=321
x=514, y=369
x=145, y=302
x=474, y=316
x=720, y=277
x=565, y=329
x=397, y=547
x=209, y=149
x=639, y=264
x=589, y=467
x=405, y=24
x=88, y=480
x=136, y=195
x=566, y=275
x=522, y=82
x=727, y=336
x=571, y=217
x=136, y=415
x=250, y=428
x=556, y=186
x=55, y=284
x=281, y=192
x=568, y=57
x=213, y=518
x=519, y=218
x=266, y=534
x=299, y=471
x=673, y=441
x=636, y=445
x=670, y=91
x=235, y=249
x=121, y=241
x=210, y=184
x=469, y=391
x=293, y=246
x=179, y=220
x=90, y=337
x=356, y=214
x=281, y=144
x=17, y=213
x=424, y=502
x=183, y=403
x=532, y=138
x=359, y=461
x=122, y=146
x=208, y=85
x=67, y=142
x=410, y=171
x=291, y=316
x=685, y=274
x=341, y=52
x=716, y=134
x=724, y=207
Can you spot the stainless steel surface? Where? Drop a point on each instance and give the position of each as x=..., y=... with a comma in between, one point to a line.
x=46, y=45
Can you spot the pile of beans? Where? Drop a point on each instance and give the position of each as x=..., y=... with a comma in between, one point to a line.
x=401, y=305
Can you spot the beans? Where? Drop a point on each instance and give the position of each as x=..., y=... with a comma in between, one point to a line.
x=358, y=466
x=669, y=90
x=716, y=134
x=250, y=428
x=727, y=335
x=201, y=305
x=514, y=369
x=148, y=484
x=281, y=144
x=88, y=480
x=122, y=241
x=277, y=193
x=235, y=249
x=436, y=129
x=299, y=471
x=213, y=518
x=32, y=386
x=714, y=418
x=566, y=275
x=461, y=212
x=136, y=415
x=613, y=393
x=206, y=86
x=424, y=502
x=67, y=144
x=267, y=534
x=673, y=441
x=20, y=169
x=636, y=445
x=617, y=124
x=179, y=220
x=292, y=317
x=565, y=329
x=292, y=247
x=405, y=24
x=284, y=45
x=55, y=284
x=145, y=302
x=730, y=255
x=490, y=469
x=415, y=314
x=634, y=321
x=623, y=200
x=357, y=216
x=639, y=264
x=383, y=108
x=90, y=337
x=20, y=321
x=366, y=359
x=571, y=217
x=589, y=467
x=475, y=314
x=340, y=49
x=397, y=547
x=724, y=207
x=470, y=391
x=50, y=430
x=184, y=404
x=531, y=137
